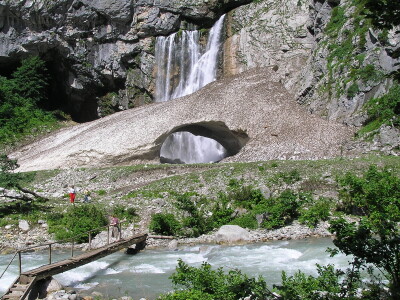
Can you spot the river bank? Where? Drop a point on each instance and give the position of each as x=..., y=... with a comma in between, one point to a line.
x=13, y=238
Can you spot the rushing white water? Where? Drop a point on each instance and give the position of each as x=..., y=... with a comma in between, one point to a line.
x=146, y=273
x=183, y=67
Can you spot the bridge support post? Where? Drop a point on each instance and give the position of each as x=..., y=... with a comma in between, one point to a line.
x=49, y=254
x=19, y=262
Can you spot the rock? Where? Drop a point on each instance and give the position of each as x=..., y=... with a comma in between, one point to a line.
x=97, y=294
x=159, y=202
x=23, y=225
x=231, y=234
x=173, y=245
x=9, y=226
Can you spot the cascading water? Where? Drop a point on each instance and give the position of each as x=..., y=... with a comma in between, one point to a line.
x=184, y=66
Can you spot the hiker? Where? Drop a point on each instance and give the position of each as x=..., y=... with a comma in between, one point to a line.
x=72, y=195
x=114, y=222
x=86, y=198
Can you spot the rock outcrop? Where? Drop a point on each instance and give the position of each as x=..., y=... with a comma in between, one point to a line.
x=95, y=48
x=263, y=122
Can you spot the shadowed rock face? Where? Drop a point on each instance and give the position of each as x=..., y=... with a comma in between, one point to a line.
x=251, y=113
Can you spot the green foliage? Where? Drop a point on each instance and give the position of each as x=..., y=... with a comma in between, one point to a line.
x=221, y=215
x=165, y=224
x=327, y=285
x=206, y=283
x=245, y=196
x=352, y=90
x=314, y=211
x=376, y=190
x=20, y=101
x=194, y=223
x=384, y=110
x=246, y=221
x=288, y=177
x=122, y=212
x=76, y=221
x=375, y=238
x=280, y=210
x=8, y=178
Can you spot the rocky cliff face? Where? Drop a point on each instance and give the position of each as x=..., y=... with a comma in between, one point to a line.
x=324, y=51
x=95, y=48
x=101, y=53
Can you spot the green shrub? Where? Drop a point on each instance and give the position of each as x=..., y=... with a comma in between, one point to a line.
x=246, y=221
x=288, y=177
x=122, y=212
x=317, y=210
x=245, y=196
x=194, y=223
x=76, y=221
x=206, y=283
x=301, y=286
x=356, y=192
x=164, y=224
x=281, y=210
x=383, y=110
x=221, y=215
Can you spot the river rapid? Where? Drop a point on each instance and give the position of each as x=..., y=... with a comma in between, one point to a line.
x=146, y=274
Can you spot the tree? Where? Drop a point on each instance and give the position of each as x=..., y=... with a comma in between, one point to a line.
x=375, y=239
x=9, y=179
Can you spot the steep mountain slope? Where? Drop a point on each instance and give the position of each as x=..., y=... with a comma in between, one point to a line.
x=251, y=110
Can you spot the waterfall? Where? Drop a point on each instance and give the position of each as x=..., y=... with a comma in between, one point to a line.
x=183, y=67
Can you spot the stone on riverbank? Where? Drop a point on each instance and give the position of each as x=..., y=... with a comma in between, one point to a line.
x=229, y=234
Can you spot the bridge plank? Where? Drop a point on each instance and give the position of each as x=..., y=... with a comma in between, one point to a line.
x=82, y=259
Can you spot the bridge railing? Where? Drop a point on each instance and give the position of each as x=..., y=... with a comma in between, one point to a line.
x=69, y=240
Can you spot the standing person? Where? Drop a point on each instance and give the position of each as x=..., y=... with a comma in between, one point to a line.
x=114, y=222
x=72, y=195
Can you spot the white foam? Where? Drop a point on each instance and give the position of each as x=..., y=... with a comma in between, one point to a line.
x=147, y=268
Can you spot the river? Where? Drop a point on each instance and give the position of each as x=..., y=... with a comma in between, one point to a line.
x=146, y=273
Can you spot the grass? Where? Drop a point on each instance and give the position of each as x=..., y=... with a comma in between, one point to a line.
x=205, y=180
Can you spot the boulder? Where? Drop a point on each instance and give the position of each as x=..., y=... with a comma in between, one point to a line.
x=229, y=234
x=23, y=225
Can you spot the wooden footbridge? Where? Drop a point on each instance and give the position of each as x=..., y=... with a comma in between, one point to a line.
x=23, y=285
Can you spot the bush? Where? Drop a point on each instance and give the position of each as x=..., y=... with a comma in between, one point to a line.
x=315, y=211
x=244, y=196
x=77, y=221
x=288, y=177
x=121, y=212
x=205, y=283
x=246, y=221
x=281, y=210
x=164, y=224
x=194, y=223
x=383, y=110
